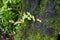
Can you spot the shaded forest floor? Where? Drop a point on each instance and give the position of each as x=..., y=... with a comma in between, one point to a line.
x=29, y=19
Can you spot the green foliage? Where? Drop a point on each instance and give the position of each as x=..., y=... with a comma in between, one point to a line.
x=15, y=19
x=42, y=6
